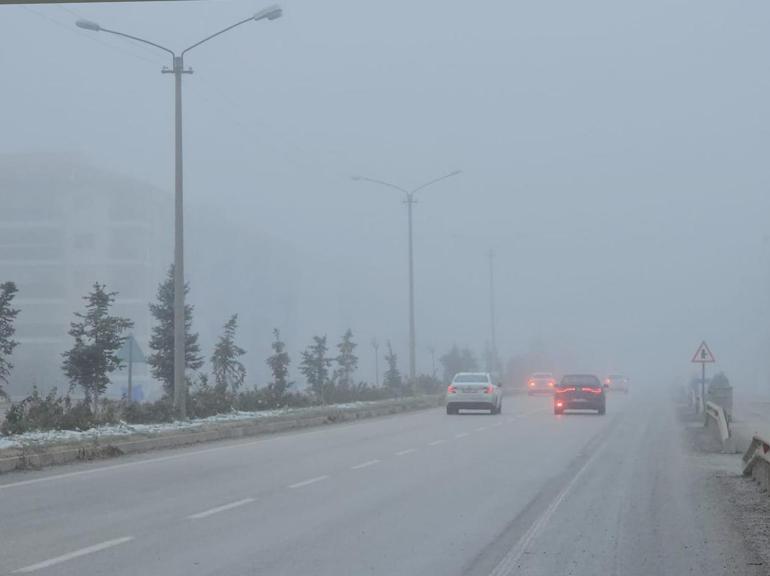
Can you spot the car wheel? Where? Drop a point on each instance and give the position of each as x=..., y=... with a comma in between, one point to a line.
x=558, y=411
x=602, y=410
x=450, y=411
x=500, y=408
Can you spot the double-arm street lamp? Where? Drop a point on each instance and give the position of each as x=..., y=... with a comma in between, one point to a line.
x=409, y=201
x=180, y=384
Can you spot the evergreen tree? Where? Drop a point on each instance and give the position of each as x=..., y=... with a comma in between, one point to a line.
x=279, y=365
x=457, y=360
x=468, y=362
x=347, y=361
x=228, y=371
x=98, y=337
x=392, y=378
x=161, y=361
x=7, y=330
x=315, y=368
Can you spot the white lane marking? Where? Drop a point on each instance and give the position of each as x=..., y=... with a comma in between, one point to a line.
x=309, y=481
x=509, y=562
x=462, y=435
x=435, y=442
x=495, y=425
x=481, y=428
x=222, y=508
x=511, y=420
x=365, y=464
x=72, y=555
x=405, y=452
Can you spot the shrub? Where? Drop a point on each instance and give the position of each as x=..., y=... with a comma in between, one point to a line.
x=207, y=400
x=149, y=412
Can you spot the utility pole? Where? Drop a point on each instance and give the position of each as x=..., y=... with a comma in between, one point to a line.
x=432, y=351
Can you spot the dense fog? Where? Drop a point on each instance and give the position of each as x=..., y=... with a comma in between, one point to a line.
x=613, y=156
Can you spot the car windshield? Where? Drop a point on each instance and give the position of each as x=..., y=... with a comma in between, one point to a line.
x=541, y=375
x=471, y=378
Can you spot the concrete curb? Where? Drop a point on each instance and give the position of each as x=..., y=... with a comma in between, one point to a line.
x=39, y=456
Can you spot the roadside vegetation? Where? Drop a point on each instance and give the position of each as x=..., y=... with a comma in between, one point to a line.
x=98, y=335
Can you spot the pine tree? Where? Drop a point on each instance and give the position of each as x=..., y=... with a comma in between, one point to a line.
x=315, y=368
x=279, y=364
x=347, y=361
x=392, y=378
x=98, y=337
x=161, y=361
x=228, y=371
x=7, y=330
x=457, y=360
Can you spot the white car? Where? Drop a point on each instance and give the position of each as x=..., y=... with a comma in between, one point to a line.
x=474, y=391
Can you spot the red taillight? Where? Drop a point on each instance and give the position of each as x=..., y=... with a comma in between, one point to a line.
x=551, y=384
x=559, y=404
x=562, y=390
x=489, y=390
x=531, y=383
x=451, y=389
x=593, y=390
x=607, y=381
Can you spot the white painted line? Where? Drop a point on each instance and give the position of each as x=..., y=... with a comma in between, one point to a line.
x=72, y=555
x=222, y=508
x=509, y=564
x=462, y=435
x=511, y=420
x=481, y=428
x=495, y=425
x=309, y=481
x=405, y=452
x=435, y=442
x=365, y=464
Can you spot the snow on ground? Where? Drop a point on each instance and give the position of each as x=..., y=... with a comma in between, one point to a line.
x=124, y=429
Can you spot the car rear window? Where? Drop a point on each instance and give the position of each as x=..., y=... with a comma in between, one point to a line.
x=480, y=378
x=542, y=375
x=580, y=380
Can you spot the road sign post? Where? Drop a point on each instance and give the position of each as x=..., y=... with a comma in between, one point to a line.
x=703, y=356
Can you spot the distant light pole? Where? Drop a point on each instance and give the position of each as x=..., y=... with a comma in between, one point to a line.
x=409, y=201
x=180, y=384
x=376, y=346
x=492, y=330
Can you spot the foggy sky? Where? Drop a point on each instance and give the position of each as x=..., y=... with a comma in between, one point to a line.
x=614, y=155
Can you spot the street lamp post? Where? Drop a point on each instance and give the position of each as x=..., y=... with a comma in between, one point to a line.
x=409, y=201
x=180, y=384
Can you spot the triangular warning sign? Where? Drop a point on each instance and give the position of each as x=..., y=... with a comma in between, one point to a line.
x=703, y=355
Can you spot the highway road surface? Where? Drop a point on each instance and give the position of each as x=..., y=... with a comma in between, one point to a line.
x=424, y=493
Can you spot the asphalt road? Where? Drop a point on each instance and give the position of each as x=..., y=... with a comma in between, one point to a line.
x=420, y=494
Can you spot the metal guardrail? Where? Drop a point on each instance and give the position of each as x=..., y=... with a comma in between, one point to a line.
x=717, y=413
x=756, y=461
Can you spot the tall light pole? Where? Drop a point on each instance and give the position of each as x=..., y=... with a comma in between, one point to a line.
x=180, y=384
x=409, y=201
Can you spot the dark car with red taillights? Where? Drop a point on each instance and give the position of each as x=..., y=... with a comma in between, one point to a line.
x=579, y=392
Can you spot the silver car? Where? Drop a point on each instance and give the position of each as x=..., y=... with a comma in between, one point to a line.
x=474, y=391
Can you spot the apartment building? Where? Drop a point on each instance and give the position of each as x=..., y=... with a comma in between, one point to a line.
x=64, y=225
